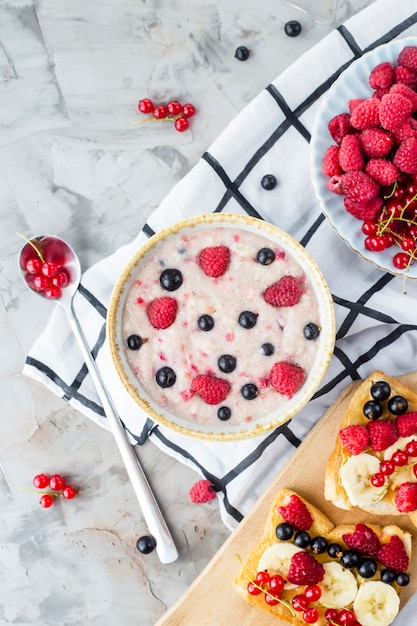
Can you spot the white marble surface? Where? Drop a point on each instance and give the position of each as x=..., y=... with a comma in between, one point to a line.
x=73, y=164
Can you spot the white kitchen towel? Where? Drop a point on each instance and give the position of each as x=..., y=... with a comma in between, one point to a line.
x=376, y=321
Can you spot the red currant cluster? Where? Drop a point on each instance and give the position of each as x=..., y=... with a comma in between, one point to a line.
x=396, y=223
x=43, y=265
x=57, y=484
x=398, y=460
x=173, y=111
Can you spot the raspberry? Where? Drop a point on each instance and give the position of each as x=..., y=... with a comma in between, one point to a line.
x=394, y=110
x=211, y=389
x=296, y=513
x=376, y=142
x=406, y=76
x=383, y=172
x=366, y=211
x=393, y=554
x=406, y=424
x=305, y=569
x=364, y=539
x=382, y=75
x=354, y=438
x=406, y=156
x=202, y=491
x=406, y=91
x=406, y=498
x=331, y=165
x=339, y=126
x=404, y=131
x=352, y=104
x=350, y=154
x=286, y=378
x=162, y=312
x=359, y=187
x=366, y=114
x=382, y=434
x=408, y=57
x=214, y=261
x=285, y=292
x=335, y=185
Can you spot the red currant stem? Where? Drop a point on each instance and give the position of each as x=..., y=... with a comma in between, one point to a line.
x=168, y=118
x=38, y=252
x=394, y=187
x=41, y=493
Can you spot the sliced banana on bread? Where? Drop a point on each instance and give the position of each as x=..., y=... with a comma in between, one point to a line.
x=373, y=464
x=305, y=570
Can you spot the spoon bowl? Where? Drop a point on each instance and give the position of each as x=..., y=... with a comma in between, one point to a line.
x=51, y=268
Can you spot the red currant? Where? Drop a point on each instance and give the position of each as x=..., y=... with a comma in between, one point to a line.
x=69, y=492
x=49, y=268
x=277, y=582
x=174, y=107
x=160, y=112
x=57, y=482
x=401, y=260
x=188, y=109
x=411, y=448
x=34, y=265
x=400, y=458
x=146, y=105
x=415, y=470
x=312, y=593
x=388, y=240
x=41, y=481
x=346, y=617
x=53, y=292
x=387, y=468
x=331, y=614
x=60, y=279
x=181, y=124
x=378, y=480
x=408, y=243
x=369, y=228
x=311, y=615
x=252, y=589
x=41, y=282
x=271, y=598
x=262, y=578
x=46, y=500
x=300, y=602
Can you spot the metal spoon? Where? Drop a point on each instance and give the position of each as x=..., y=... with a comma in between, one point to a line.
x=47, y=248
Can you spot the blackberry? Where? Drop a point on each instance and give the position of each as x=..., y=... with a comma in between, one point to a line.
x=170, y=279
x=249, y=391
x=268, y=182
x=311, y=331
x=242, y=53
x=372, y=410
x=224, y=413
x=302, y=539
x=380, y=390
x=205, y=323
x=267, y=349
x=145, y=544
x=292, y=28
x=226, y=363
x=284, y=531
x=248, y=319
x=134, y=342
x=265, y=256
x=397, y=405
x=165, y=377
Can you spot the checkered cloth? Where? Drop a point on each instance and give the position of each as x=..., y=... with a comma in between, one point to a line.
x=376, y=322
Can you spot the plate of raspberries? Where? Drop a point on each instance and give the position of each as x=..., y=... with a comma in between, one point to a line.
x=364, y=156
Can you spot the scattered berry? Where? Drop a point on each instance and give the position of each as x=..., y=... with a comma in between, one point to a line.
x=211, y=389
x=214, y=261
x=296, y=513
x=41, y=481
x=146, y=105
x=162, y=312
x=57, y=482
x=354, y=438
x=188, y=109
x=160, y=112
x=285, y=292
x=393, y=555
x=181, y=124
x=69, y=492
x=202, y=491
x=172, y=111
x=174, y=107
x=286, y=378
x=268, y=182
x=292, y=28
x=242, y=53
x=46, y=500
x=146, y=544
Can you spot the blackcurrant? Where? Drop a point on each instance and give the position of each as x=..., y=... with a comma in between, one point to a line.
x=380, y=390
x=248, y=319
x=402, y=579
x=334, y=550
x=302, y=539
x=205, y=323
x=350, y=558
x=170, y=279
x=249, y=391
x=367, y=568
x=387, y=576
x=319, y=545
x=397, y=405
x=311, y=331
x=145, y=544
x=134, y=342
x=226, y=363
x=224, y=413
x=268, y=182
x=284, y=531
x=292, y=28
x=242, y=53
x=265, y=256
x=372, y=410
x=165, y=377
x=267, y=349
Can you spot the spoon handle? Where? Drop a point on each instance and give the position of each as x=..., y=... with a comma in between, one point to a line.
x=165, y=546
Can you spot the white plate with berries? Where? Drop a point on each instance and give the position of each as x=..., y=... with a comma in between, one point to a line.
x=364, y=156
x=221, y=327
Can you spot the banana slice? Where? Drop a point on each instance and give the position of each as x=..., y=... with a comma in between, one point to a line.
x=278, y=558
x=356, y=474
x=376, y=604
x=338, y=587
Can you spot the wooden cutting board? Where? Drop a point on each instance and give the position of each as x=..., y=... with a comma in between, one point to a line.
x=211, y=599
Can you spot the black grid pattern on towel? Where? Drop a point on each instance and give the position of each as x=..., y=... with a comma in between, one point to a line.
x=351, y=309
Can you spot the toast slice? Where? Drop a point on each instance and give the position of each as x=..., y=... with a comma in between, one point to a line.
x=286, y=580
x=354, y=461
